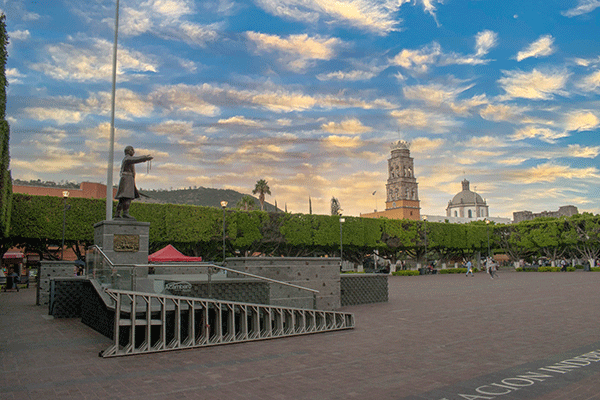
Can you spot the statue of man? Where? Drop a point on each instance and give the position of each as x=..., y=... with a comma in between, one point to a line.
x=127, y=190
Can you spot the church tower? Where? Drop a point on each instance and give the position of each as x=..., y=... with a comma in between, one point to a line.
x=402, y=187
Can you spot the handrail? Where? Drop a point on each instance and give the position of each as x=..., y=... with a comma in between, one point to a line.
x=208, y=265
x=95, y=246
x=235, y=271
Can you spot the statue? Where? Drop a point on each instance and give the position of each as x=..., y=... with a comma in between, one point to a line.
x=127, y=190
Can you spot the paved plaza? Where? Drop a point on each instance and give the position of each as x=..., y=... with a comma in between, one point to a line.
x=521, y=336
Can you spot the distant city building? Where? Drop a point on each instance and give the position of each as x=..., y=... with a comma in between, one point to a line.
x=402, y=200
x=467, y=204
x=564, y=211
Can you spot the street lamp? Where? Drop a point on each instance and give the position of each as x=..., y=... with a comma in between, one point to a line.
x=65, y=208
x=424, y=217
x=342, y=220
x=487, y=225
x=224, y=205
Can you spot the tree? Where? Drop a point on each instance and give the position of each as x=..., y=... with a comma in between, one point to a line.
x=5, y=177
x=586, y=230
x=246, y=203
x=336, y=209
x=262, y=188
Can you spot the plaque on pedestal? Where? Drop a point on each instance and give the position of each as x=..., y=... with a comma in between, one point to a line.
x=124, y=241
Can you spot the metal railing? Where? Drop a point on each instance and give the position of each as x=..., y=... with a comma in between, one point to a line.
x=146, y=323
x=123, y=276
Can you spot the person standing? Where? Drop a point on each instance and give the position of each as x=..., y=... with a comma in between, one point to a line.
x=127, y=190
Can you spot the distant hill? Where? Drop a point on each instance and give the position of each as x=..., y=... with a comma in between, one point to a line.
x=200, y=197
x=197, y=196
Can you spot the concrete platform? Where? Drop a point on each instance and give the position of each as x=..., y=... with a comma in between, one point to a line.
x=521, y=336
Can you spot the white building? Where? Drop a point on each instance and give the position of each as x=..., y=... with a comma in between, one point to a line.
x=467, y=204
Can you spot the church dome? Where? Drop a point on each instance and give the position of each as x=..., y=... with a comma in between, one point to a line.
x=466, y=196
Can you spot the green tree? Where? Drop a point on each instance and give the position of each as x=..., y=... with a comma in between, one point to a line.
x=585, y=229
x=246, y=203
x=5, y=177
x=262, y=188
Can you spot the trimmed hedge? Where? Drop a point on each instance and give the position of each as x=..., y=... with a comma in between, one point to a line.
x=454, y=271
x=406, y=273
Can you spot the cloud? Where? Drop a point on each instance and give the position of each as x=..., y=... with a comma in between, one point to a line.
x=423, y=120
x=581, y=121
x=484, y=41
x=532, y=132
x=590, y=82
x=576, y=150
x=13, y=75
x=240, y=120
x=485, y=142
x=583, y=7
x=297, y=51
x=426, y=145
x=376, y=16
x=91, y=60
x=101, y=133
x=351, y=126
x=351, y=76
x=540, y=48
x=418, y=60
x=434, y=94
x=60, y=116
x=19, y=35
x=206, y=99
x=173, y=129
x=502, y=112
x=130, y=105
x=343, y=141
x=550, y=172
x=534, y=85
x=184, y=98
x=442, y=96
x=166, y=19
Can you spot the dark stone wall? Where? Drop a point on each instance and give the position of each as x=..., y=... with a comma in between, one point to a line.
x=65, y=297
x=363, y=288
x=244, y=291
x=94, y=312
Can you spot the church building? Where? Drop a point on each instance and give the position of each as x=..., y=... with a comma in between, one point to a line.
x=467, y=204
x=402, y=201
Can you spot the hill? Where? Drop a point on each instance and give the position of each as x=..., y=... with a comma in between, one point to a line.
x=200, y=197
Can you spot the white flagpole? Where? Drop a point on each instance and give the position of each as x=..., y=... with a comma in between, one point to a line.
x=111, y=148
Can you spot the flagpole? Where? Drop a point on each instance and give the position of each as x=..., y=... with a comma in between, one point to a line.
x=111, y=148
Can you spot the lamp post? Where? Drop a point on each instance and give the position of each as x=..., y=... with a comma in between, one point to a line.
x=424, y=217
x=342, y=220
x=487, y=225
x=65, y=208
x=224, y=205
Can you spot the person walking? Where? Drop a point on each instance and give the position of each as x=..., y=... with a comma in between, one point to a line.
x=469, y=268
x=493, y=272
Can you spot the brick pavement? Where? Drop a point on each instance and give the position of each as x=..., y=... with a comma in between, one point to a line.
x=439, y=336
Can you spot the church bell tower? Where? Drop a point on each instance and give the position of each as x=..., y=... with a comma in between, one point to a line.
x=402, y=186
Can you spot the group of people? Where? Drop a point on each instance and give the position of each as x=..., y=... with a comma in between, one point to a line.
x=490, y=267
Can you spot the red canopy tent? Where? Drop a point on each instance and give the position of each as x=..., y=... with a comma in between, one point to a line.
x=171, y=254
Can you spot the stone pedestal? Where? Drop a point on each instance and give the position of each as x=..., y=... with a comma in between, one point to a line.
x=124, y=241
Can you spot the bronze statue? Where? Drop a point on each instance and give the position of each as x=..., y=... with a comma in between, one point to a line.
x=127, y=190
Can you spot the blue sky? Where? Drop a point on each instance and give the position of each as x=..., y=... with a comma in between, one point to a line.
x=309, y=94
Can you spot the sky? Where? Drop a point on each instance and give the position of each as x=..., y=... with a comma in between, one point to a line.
x=309, y=95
